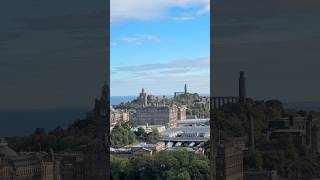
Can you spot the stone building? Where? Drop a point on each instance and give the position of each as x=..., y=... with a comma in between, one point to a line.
x=142, y=149
x=229, y=160
x=182, y=93
x=143, y=98
x=27, y=166
x=301, y=130
x=118, y=116
x=261, y=175
x=157, y=115
x=231, y=104
x=315, y=139
x=182, y=113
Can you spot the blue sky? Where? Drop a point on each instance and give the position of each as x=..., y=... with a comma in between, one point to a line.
x=159, y=46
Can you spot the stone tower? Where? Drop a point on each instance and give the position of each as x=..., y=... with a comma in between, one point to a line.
x=143, y=98
x=185, y=89
x=242, y=88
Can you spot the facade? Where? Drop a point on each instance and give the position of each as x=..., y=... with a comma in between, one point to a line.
x=301, y=129
x=150, y=128
x=143, y=98
x=27, y=166
x=142, y=149
x=182, y=113
x=182, y=93
x=187, y=132
x=261, y=175
x=229, y=160
x=315, y=139
x=231, y=104
x=128, y=152
x=118, y=116
x=157, y=115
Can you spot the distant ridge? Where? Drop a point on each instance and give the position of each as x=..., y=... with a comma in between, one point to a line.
x=114, y=100
x=24, y=122
x=307, y=105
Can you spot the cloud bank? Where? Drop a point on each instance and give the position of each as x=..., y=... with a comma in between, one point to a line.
x=143, y=10
x=162, y=78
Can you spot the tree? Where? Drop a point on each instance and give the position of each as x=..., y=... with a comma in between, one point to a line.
x=170, y=165
x=254, y=160
x=183, y=175
x=140, y=132
x=121, y=136
x=153, y=137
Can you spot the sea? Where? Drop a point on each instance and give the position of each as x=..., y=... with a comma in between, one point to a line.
x=24, y=122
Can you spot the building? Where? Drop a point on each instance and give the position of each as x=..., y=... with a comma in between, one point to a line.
x=301, y=130
x=231, y=104
x=203, y=102
x=261, y=175
x=27, y=166
x=182, y=113
x=149, y=128
x=193, y=122
x=142, y=149
x=229, y=160
x=157, y=115
x=182, y=93
x=119, y=116
x=128, y=152
x=143, y=98
x=315, y=139
x=186, y=133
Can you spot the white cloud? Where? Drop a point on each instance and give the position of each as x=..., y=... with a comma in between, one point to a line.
x=184, y=18
x=122, y=10
x=141, y=39
x=162, y=78
x=198, y=63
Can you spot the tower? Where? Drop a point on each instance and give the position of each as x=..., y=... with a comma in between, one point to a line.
x=185, y=89
x=143, y=98
x=242, y=88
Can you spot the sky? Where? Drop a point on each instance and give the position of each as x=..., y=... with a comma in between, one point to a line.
x=275, y=42
x=160, y=46
x=52, y=53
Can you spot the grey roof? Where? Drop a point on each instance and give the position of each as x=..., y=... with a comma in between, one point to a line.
x=6, y=151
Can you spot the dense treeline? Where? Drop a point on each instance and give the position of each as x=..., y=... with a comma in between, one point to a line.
x=122, y=135
x=170, y=165
x=78, y=133
x=280, y=154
